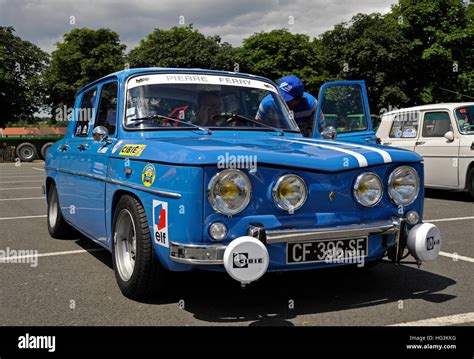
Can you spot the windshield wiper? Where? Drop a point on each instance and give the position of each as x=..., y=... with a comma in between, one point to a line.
x=236, y=117
x=139, y=121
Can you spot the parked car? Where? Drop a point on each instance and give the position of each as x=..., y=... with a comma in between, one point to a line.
x=209, y=187
x=443, y=134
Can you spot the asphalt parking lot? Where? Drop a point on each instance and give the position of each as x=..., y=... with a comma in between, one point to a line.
x=74, y=284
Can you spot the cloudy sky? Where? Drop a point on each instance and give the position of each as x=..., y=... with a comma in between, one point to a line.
x=43, y=22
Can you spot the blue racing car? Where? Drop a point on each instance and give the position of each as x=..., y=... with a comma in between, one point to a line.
x=172, y=170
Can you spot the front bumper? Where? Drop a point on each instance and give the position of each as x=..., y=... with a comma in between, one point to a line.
x=213, y=254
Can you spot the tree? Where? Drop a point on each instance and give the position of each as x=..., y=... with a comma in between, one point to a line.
x=371, y=48
x=21, y=85
x=84, y=56
x=182, y=47
x=278, y=53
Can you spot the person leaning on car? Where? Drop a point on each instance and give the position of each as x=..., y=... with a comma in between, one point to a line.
x=301, y=103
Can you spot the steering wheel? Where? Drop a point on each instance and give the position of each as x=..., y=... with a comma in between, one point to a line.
x=223, y=119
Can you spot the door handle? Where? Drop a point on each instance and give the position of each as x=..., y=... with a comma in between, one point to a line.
x=82, y=147
x=64, y=148
x=386, y=143
x=418, y=143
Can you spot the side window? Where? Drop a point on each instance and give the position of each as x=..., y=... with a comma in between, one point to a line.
x=107, y=115
x=436, y=124
x=85, y=113
x=405, y=125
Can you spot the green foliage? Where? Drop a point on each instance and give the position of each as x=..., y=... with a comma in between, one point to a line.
x=84, y=56
x=183, y=47
x=278, y=53
x=21, y=84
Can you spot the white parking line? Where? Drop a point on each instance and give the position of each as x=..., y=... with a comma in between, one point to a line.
x=22, y=176
x=21, y=181
x=22, y=217
x=15, y=188
x=440, y=321
x=20, y=199
x=448, y=219
x=13, y=258
x=38, y=169
x=456, y=257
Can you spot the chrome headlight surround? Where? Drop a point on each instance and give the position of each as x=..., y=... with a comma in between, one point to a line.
x=400, y=174
x=281, y=202
x=361, y=181
x=236, y=181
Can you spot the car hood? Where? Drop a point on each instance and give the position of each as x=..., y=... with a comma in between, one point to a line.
x=298, y=152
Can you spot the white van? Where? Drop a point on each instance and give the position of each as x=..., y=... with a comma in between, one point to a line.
x=443, y=134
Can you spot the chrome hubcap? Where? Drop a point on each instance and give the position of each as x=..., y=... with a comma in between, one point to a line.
x=26, y=152
x=125, y=243
x=53, y=210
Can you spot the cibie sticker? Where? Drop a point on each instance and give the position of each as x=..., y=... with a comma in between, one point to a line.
x=132, y=150
x=160, y=223
x=148, y=175
x=116, y=147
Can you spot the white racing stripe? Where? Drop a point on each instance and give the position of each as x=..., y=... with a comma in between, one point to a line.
x=360, y=158
x=385, y=155
x=22, y=217
x=20, y=199
x=15, y=258
x=456, y=257
x=455, y=319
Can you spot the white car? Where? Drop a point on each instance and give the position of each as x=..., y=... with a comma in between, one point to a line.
x=443, y=134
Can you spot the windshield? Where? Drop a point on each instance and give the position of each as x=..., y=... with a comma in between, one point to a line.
x=221, y=102
x=465, y=119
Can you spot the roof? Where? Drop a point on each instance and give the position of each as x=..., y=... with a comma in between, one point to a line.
x=124, y=74
x=436, y=106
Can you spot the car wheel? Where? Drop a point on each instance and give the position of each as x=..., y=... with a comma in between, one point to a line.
x=470, y=182
x=57, y=226
x=45, y=149
x=138, y=271
x=26, y=152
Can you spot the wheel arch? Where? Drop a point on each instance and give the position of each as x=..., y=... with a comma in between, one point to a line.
x=469, y=168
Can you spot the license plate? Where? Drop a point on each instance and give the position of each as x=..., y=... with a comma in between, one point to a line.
x=330, y=251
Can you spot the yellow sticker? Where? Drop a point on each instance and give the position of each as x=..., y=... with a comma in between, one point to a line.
x=148, y=175
x=132, y=150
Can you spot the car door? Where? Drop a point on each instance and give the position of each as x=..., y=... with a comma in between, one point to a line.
x=345, y=106
x=440, y=154
x=95, y=161
x=72, y=159
x=404, y=131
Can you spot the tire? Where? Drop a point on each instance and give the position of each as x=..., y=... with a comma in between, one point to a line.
x=26, y=152
x=57, y=226
x=138, y=272
x=470, y=182
x=44, y=149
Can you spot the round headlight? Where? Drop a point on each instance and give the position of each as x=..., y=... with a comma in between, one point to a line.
x=229, y=192
x=368, y=189
x=290, y=192
x=404, y=185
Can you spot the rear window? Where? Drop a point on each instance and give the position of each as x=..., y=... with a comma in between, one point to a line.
x=405, y=125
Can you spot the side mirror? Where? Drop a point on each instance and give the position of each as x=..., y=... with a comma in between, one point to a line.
x=100, y=134
x=449, y=136
x=329, y=133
